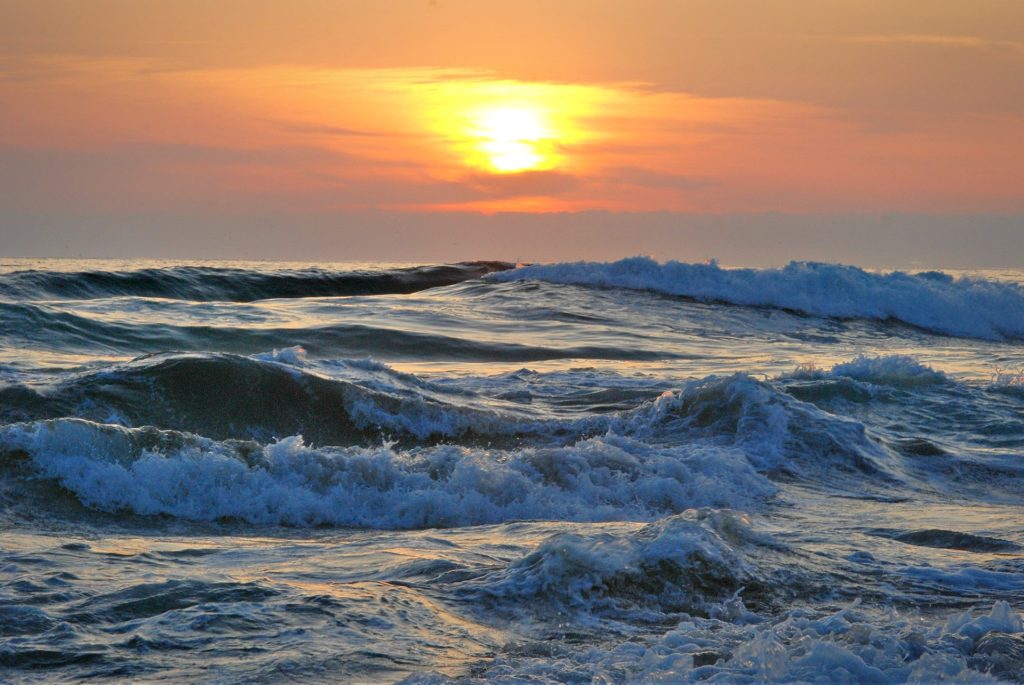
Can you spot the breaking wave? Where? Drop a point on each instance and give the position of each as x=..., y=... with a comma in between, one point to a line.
x=217, y=437
x=148, y=471
x=268, y=397
x=895, y=370
x=680, y=563
x=933, y=301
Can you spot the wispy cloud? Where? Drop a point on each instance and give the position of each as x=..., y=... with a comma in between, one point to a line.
x=651, y=178
x=530, y=183
x=343, y=131
x=941, y=40
x=106, y=133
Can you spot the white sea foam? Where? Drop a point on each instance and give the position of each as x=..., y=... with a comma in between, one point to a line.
x=709, y=444
x=295, y=355
x=112, y=468
x=680, y=561
x=773, y=429
x=893, y=369
x=933, y=301
x=848, y=646
x=1001, y=618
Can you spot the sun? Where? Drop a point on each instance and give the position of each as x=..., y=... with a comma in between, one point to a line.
x=512, y=139
x=503, y=128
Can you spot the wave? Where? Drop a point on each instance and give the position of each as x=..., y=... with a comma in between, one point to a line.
x=950, y=539
x=150, y=472
x=267, y=397
x=801, y=645
x=865, y=380
x=202, y=283
x=680, y=563
x=893, y=370
x=390, y=449
x=933, y=301
x=225, y=396
x=778, y=433
x=215, y=442
x=46, y=327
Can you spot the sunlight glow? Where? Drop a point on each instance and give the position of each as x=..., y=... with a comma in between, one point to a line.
x=513, y=138
x=485, y=127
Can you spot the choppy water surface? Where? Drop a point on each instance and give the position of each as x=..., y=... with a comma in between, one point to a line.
x=624, y=472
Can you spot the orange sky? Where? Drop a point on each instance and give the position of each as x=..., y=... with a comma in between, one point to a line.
x=330, y=108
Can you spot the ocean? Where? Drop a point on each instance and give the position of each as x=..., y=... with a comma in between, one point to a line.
x=569, y=473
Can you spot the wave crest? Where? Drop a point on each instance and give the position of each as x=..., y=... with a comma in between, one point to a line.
x=147, y=471
x=932, y=301
x=679, y=563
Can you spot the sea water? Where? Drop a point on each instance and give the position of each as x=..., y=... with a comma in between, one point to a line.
x=589, y=473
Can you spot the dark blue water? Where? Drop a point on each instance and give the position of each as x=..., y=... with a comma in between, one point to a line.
x=627, y=472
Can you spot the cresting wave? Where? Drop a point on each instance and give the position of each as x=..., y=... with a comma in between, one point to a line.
x=683, y=562
x=895, y=369
x=203, y=452
x=933, y=301
x=268, y=397
x=147, y=471
x=206, y=284
x=226, y=396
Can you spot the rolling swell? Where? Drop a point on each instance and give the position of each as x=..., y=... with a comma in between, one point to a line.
x=272, y=396
x=932, y=301
x=950, y=539
x=206, y=284
x=224, y=396
x=45, y=327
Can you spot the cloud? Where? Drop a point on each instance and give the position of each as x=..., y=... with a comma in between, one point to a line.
x=941, y=40
x=527, y=183
x=324, y=129
x=651, y=178
x=117, y=135
x=198, y=178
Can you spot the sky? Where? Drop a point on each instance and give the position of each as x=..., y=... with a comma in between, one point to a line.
x=885, y=133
